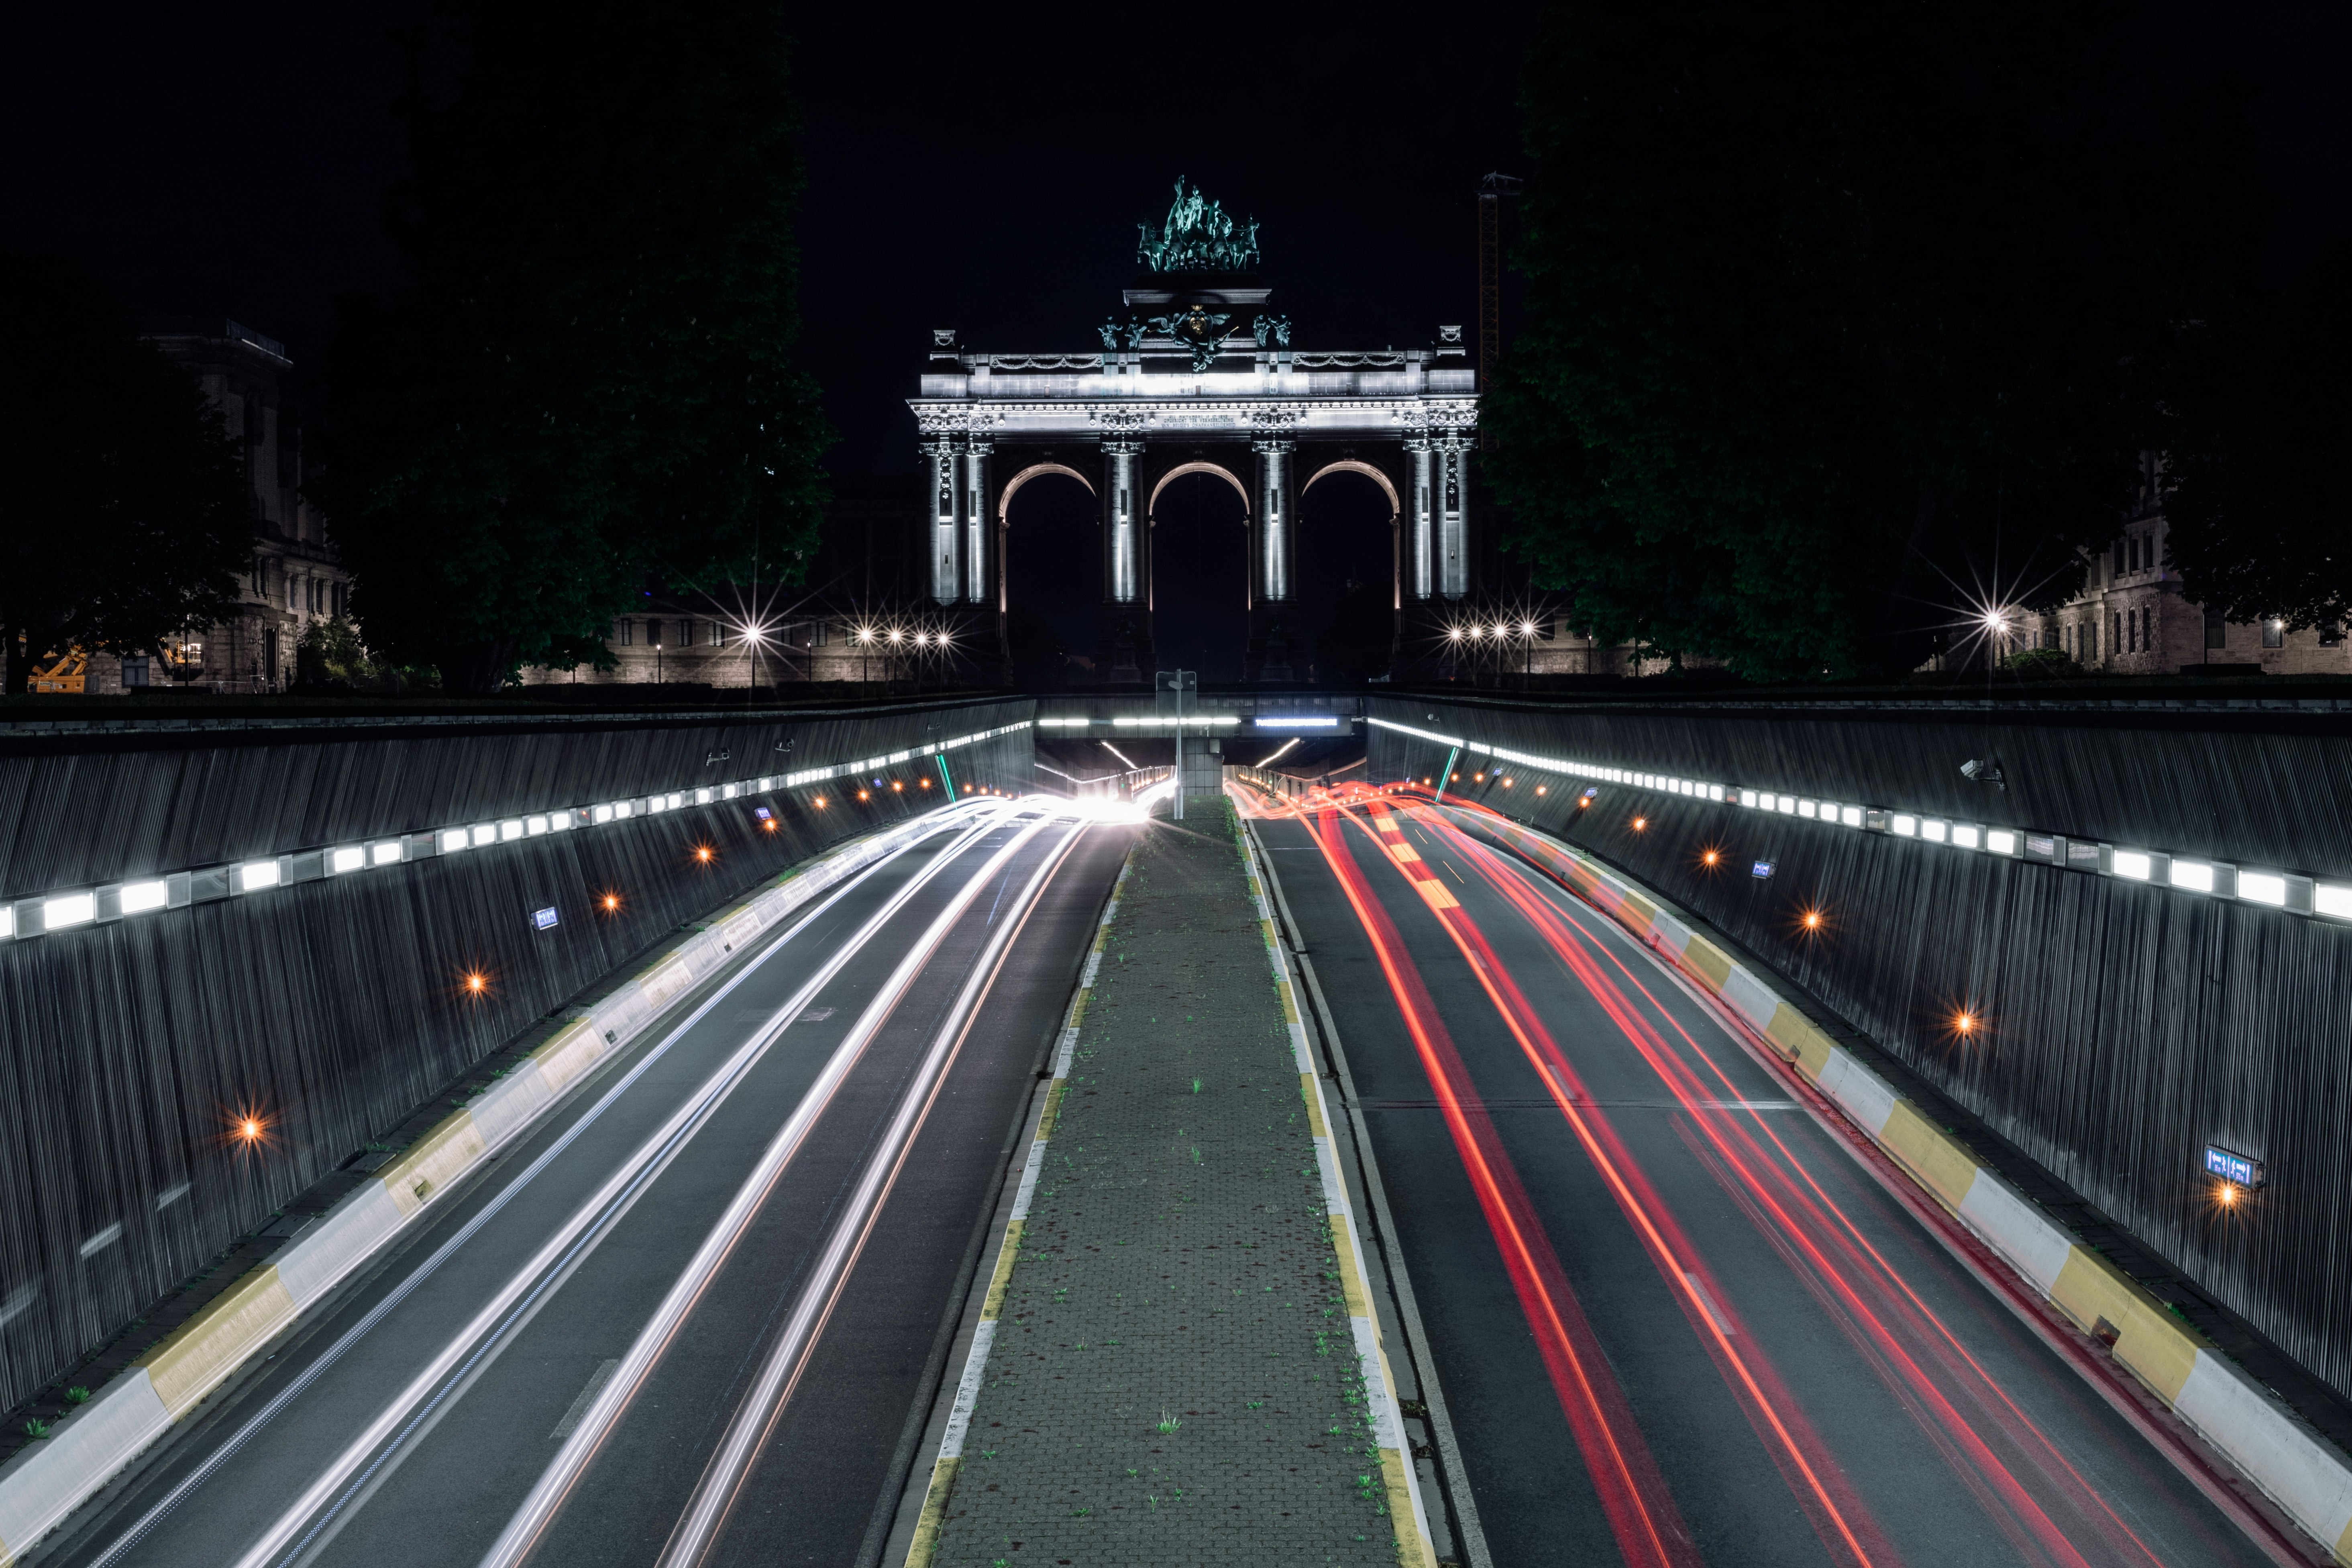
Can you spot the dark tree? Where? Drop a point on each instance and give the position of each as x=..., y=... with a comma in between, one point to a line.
x=1830, y=321
x=125, y=514
x=591, y=388
x=2258, y=445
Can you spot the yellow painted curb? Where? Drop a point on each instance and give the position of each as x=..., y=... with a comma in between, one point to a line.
x=197, y=1354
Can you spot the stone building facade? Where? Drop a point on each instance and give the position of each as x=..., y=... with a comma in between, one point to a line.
x=292, y=578
x=2132, y=618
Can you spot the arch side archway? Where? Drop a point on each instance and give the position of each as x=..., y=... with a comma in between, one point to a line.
x=1004, y=497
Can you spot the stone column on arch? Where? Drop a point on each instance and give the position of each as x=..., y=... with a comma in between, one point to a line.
x=1122, y=512
x=943, y=524
x=1274, y=503
x=1452, y=498
x=1420, y=544
x=978, y=546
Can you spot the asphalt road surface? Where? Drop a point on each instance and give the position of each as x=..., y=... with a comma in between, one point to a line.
x=1676, y=1318
x=695, y=1313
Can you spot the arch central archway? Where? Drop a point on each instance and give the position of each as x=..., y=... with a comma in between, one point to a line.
x=1199, y=466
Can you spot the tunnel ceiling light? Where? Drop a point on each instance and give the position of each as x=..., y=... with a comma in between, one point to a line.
x=345, y=858
x=386, y=853
x=2262, y=887
x=256, y=875
x=2194, y=876
x=68, y=910
x=1304, y=722
x=2132, y=865
x=138, y=898
x=2333, y=899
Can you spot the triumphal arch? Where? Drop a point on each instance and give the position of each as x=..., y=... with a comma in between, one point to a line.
x=1197, y=375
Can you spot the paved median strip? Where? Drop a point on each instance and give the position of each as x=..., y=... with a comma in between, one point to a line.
x=46, y=1480
x=1176, y=1358
x=2300, y=1472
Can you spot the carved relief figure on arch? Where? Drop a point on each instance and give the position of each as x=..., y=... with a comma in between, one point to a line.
x=1196, y=376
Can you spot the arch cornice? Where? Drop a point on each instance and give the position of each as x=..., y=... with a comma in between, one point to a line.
x=1151, y=508
x=1004, y=496
x=1358, y=466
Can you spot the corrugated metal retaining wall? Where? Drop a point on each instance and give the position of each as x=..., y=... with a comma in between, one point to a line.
x=2129, y=1026
x=334, y=1007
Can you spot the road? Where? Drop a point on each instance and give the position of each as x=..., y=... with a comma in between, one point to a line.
x=1676, y=1316
x=687, y=1316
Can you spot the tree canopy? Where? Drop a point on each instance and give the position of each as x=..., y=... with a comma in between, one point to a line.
x=1837, y=321
x=591, y=388
x=124, y=513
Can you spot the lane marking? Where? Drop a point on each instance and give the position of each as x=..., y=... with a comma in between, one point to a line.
x=596, y=1382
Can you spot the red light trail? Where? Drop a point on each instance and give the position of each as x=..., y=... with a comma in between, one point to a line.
x=1809, y=1227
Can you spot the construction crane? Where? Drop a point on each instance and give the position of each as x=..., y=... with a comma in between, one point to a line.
x=67, y=674
x=1491, y=191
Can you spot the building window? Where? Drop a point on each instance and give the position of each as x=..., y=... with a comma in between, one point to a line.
x=2331, y=634
x=718, y=634
x=685, y=635
x=624, y=633
x=823, y=633
x=2274, y=633
x=2217, y=631
x=134, y=670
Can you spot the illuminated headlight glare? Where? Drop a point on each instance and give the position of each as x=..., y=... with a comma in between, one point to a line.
x=68, y=910
x=1935, y=831
x=534, y=824
x=348, y=858
x=256, y=875
x=138, y=898
x=1850, y=816
x=1904, y=825
x=2263, y=888
x=2001, y=841
x=2132, y=864
x=2195, y=876
x=384, y=854
x=453, y=839
x=487, y=833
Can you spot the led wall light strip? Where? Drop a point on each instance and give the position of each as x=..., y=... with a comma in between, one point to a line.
x=40, y=914
x=2267, y=887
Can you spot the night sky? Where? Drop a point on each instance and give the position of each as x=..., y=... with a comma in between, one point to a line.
x=982, y=168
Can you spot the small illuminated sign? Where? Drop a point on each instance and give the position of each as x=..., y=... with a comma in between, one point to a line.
x=2232, y=1167
x=762, y=813
x=1762, y=869
x=1591, y=791
x=542, y=920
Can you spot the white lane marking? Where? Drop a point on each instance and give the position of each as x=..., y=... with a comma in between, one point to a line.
x=555, y=1482
x=596, y=1382
x=1706, y=1304
x=383, y=1309
x=663, y=1146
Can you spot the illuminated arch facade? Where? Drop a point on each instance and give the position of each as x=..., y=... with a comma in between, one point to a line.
x=1267, y=419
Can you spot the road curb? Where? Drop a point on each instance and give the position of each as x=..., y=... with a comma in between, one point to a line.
x=1414, y=1547
x=922, y=1547
x=46, y=1481
x=2267, y=1442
